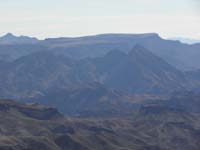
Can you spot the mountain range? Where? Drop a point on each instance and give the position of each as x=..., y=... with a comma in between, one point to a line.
x=103, y=92
x=182, y=56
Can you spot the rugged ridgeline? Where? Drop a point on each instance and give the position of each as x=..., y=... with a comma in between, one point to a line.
x=180, y=55
x=139, y=71
x=35, y=127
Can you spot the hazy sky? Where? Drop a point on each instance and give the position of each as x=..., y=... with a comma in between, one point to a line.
x=55, y=18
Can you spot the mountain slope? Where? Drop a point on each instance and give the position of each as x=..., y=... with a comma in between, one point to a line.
x=194, y=78
x=87, y=100
x=40, y=71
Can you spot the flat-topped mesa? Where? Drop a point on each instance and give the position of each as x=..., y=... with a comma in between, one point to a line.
x=139, y=35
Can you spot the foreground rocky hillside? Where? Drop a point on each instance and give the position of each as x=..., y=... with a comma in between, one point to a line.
x=35, y=127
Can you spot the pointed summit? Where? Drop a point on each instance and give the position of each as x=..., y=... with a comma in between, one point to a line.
x=9, y=38
x=9, y=34
x=139, y=50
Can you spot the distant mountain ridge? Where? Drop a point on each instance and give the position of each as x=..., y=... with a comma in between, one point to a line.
x=180, y=55
x=186, y=40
